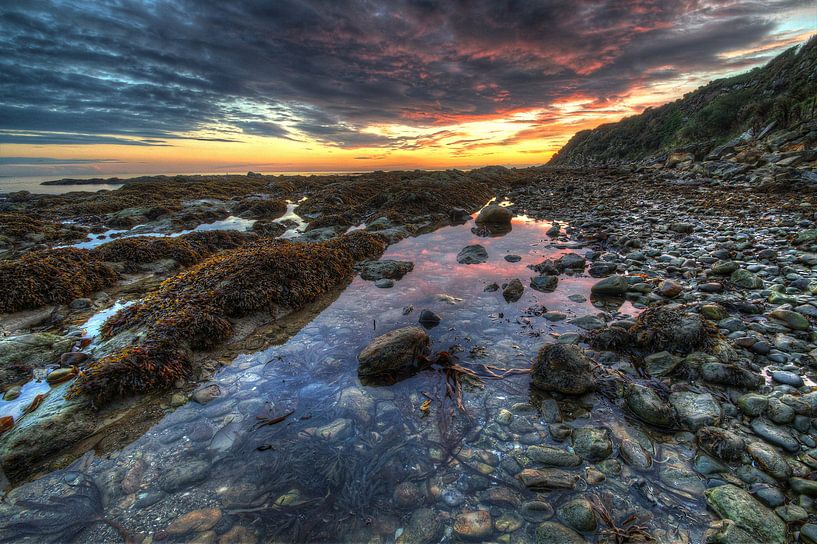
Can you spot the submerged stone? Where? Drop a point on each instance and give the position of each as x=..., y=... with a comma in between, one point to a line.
x=732, y=502
x=473, y=254
x=392, y=352
x=562, y=368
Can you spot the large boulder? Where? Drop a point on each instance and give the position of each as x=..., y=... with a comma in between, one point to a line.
x=496, y=215
x=563, y=368
x=393, y=351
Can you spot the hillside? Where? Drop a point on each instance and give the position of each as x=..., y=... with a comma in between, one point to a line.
x=778, y=96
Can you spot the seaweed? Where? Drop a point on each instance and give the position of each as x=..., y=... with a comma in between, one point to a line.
x=191, y=311
x=52, y=276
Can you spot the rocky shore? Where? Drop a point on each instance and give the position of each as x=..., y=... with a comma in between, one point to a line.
x=711, y=367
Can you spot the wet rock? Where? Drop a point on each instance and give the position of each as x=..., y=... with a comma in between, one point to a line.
x=238, y=534
x=803, y=486
x=769, y=460
x=752, y=404
x=792, y=320
x=773, y=434
x=20, y=354
x=513, y=291
x=661, y=364
x=720, y=443
x=473, y=525
x=714, y=312
x=60, y=375
x=206, y=393
x=745, y=279
x=195, y=521
x=424, y=527
x=588, y=323
x=429, y=319
x=592, y=443
x=12, y=392
x=496, y=215
x=648, y=406
x=676, y=473
x=562, y=368
x=578, y=514
x=387, y=268
x=666, y=328
x=473, y=254
x=554, y=457
x=393, y=351
x=808, y=533
x=730, y=375
x=670, y=289
x=732, y=502
x=358, y=402
x=73, y=358
x=611, y=286
x=788, y=378
x=384, y=283
x=544, y=283
x=547, y=478
x=695, y=410
x=571, y=261
x=551, y=532
x=513, y=258
x=635, y=455
x=508, y=523
x=184, y=475
x=725, y=531
x=458, y=215
x=778, y=412
x=407, y=495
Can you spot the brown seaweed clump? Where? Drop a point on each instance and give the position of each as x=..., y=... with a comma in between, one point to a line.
x=16, y=225
x=192, y=311
x=660, y=328
x=186, y=250
x=261, y=209
x=52, y=276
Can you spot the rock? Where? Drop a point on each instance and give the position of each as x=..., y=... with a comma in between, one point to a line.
x=792, y=320
x=588, y=322
x=725, y=531
x=732, y=502
x=695, y=410
x=458, y=215
x=206, y=393
x=592, y=443
x=752, y=404
x=725, y=268
x=773, y=434
x=578, y=514
x=547, y=478
x=407, y=495
x=195, y=521
x=670, y=289
x=769, y=460
x=720, y=443
x=424, y=527
x=552, y=532
x=429, y=319
x=745, y=279
x=648, y=406
x=496, y=215
x=60, y=375
x=12, y=392
x=611, y=286
x=544, y=283
x=513, y=258
x=384, y=283
x=635, y=455
x=730, y=375
x=681, y=227
x=513, y=291
x=508, y=522
x=473, y=254
x=393, y=351
x=390, y=269
x=473, y=525
x=19, y=355
x=668, y=328
x=183, y=475
x=803, y=486
x=73, y=358
x=564, y=369
x=553, y=457
x=808, y=533
x=81, y=304
x=788, y=378
x=571, y=261
x=661, y=364
x=714, y=312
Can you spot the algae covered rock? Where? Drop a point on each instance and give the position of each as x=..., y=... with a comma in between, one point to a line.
x=393, y=351
x=563, y=368
x=732, y=502
x=20, y=354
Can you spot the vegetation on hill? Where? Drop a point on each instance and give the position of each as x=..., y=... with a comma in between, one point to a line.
x=783, y=92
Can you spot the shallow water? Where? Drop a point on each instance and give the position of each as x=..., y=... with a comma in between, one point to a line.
x=343, y=465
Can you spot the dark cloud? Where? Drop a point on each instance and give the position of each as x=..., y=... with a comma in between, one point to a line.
x=21, y=161
x=148, y=73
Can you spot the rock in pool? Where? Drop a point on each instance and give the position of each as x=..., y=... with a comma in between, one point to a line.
x=393, y=351
x=494, y=214
x=473, y=254
x=563, y=368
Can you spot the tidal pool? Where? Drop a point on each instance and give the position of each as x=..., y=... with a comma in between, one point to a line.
x=297, y=448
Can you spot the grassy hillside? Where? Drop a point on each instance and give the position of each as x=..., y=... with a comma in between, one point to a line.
x=783, y=91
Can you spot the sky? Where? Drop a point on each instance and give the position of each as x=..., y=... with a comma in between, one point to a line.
x=156, y=86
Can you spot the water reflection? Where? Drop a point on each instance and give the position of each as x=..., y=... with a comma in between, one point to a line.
x=296, y=448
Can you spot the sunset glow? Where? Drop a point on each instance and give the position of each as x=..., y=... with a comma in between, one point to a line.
x=172, y=87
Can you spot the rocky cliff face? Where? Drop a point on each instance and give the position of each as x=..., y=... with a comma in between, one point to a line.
x=769, y=113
